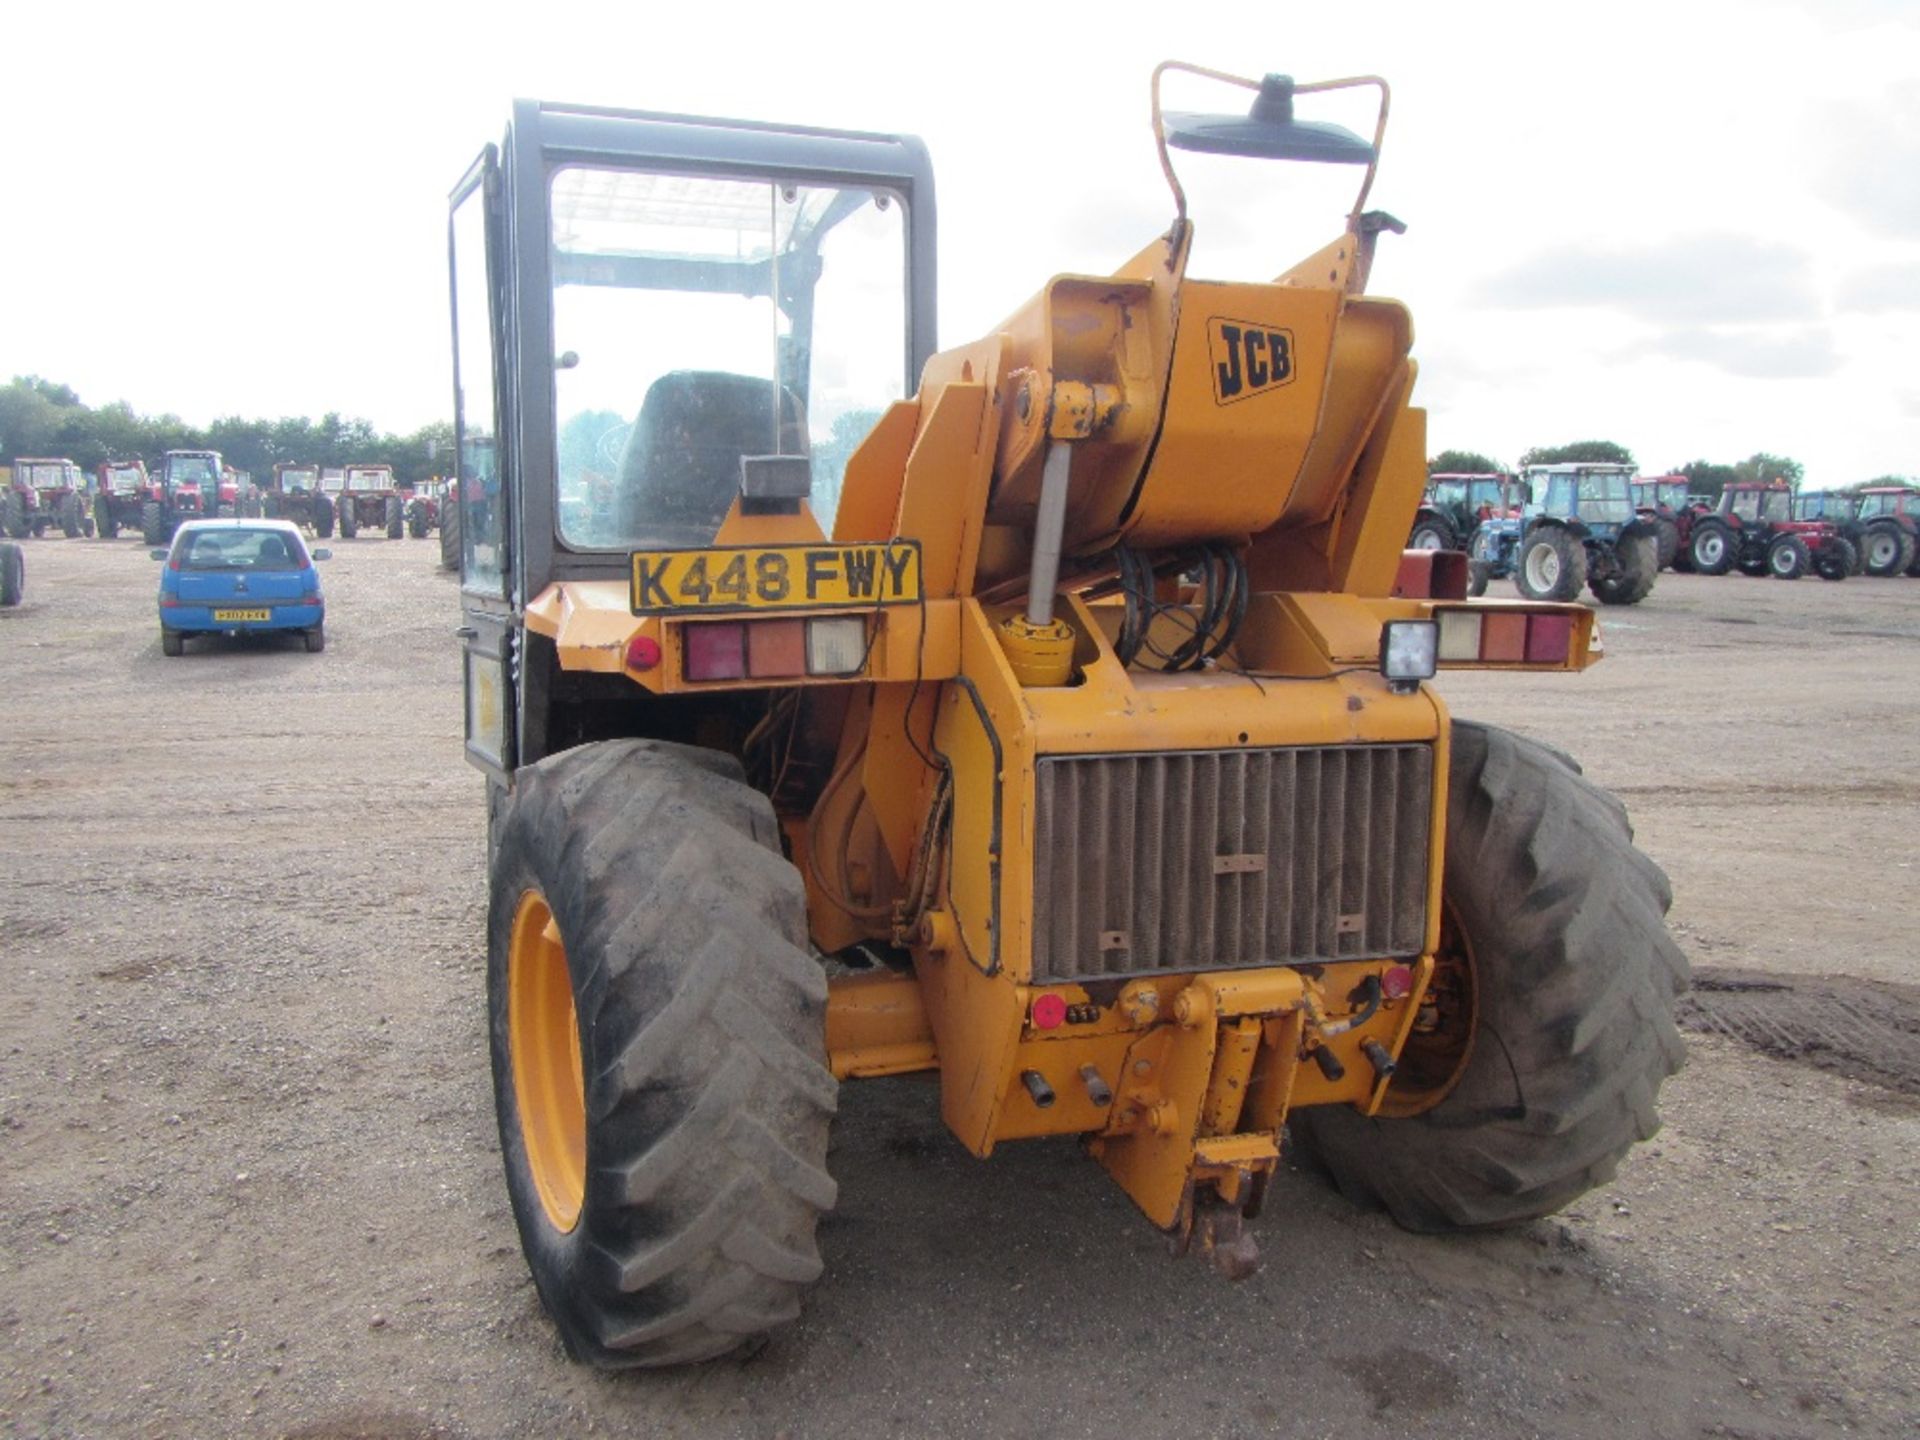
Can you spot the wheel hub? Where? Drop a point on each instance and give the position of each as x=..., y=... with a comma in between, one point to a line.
x=543, y=1039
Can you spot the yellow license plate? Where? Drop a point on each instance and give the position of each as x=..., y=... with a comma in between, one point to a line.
x=777, y=577
x=223, y=615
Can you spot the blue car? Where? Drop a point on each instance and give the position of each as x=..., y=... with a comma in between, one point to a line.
x=230, y=577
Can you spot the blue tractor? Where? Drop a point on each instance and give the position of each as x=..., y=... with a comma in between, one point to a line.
x=1493, y=546
x=1582, y=530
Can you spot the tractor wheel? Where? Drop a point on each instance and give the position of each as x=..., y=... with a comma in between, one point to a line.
x=659, y=1052
x=1554, y=987
x=1478, y=572
x=1788, y=558
x=13, y=516
x=417, y=519
x=1712, y=549
x=1837, y=559
x=450, y=536
x=103, y=522
x=1886, y=550
x=153, y=525
x=321, y=514
x=1636, y=560
x=13, y=573
x=68, y=512
x=1913, y=565
x=172, y=642
x=316, y=638
x=1666, y=537
x=396, y=518
x=349, y=517
x=270, y=506
x=1553, y=565
x=1432, y=534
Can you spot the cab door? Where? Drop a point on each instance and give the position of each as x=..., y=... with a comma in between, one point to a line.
x=476, y=263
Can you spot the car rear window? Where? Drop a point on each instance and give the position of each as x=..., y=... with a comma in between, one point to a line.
x=241, y=550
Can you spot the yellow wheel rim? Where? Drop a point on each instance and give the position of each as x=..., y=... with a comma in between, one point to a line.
x=543, y=1039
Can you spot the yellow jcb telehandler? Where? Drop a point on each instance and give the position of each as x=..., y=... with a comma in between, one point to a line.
x=1049, y=714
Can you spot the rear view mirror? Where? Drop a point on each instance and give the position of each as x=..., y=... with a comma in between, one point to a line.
x=1268, y=131
x=158, y=554
x=323, y=554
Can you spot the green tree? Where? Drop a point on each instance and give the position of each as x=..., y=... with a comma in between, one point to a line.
x=1762, y=466
x=1464, y=462
x=1587, y=452
x=1706, y=478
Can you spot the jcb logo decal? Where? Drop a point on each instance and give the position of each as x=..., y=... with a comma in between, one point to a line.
x=1248, y=358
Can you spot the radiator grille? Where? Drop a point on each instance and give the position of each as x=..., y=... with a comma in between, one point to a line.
x=1216, y=859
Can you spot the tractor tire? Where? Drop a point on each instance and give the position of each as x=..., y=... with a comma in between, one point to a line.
x=104, y=522
x=1913, y=565
x=1788, y=558
x=417, y=519
x=1565, y=1026
x=1711, y=548
x=153, y=524
x=13, y=573
x=1837, y=559
x=1637, y=564
x=450, y=536
x=349, y=517
x=1887, y=550
x=68, y=513
x=1666, y=537
x=13, y=516
x=652, y=995
x=1478, y=573
x=1432, y=534
x=321, y=514
x=316, y=638
x=396, y=518
x=1552, y=565
x=172, y=643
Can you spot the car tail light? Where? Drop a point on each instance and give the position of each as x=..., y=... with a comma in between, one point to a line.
x=716, y=652
x=1459, y=636
x=777, y=649
x=837, y=646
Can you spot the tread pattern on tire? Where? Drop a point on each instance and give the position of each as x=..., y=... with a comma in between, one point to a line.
x=702, y=1012
x=1577, y=980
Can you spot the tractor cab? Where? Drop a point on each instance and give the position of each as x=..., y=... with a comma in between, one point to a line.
x=1889, y=500
x=1830, y=505
x=1756, y=504
x=657, y=321
x=1596, y=497
x=190, y=480
x=1664, y=495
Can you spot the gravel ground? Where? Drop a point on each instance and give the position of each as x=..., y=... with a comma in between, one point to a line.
x=249, y=1181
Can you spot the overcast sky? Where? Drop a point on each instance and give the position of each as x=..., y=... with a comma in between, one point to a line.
x=1690, y=227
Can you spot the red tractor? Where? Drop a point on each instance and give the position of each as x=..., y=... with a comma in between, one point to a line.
x=1661, y=500
x=187, y=487
x=121, y=489
x=423, y=503
x=370, y=496
x=1889, y=516
x=294, y=494
x=44, y=493
x=1753, y=530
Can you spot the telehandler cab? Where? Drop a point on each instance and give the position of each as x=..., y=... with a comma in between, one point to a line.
x=1059, y=727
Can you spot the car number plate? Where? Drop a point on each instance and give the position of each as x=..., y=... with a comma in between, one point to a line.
x=243, y=615
x=777, y=577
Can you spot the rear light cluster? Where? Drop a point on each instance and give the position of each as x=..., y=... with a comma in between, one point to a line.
x=1504, y=637
x=763, y=649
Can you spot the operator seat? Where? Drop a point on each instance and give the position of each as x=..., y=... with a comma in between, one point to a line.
x=681, y=466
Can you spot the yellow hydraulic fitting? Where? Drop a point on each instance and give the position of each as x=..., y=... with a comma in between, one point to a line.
x=1039, y=654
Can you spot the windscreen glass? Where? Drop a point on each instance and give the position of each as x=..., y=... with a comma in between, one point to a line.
x=369, y=479
x=252, y=550
x=1604, y=497
x=191, y=470
x=123, y=479
x=697, y=321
